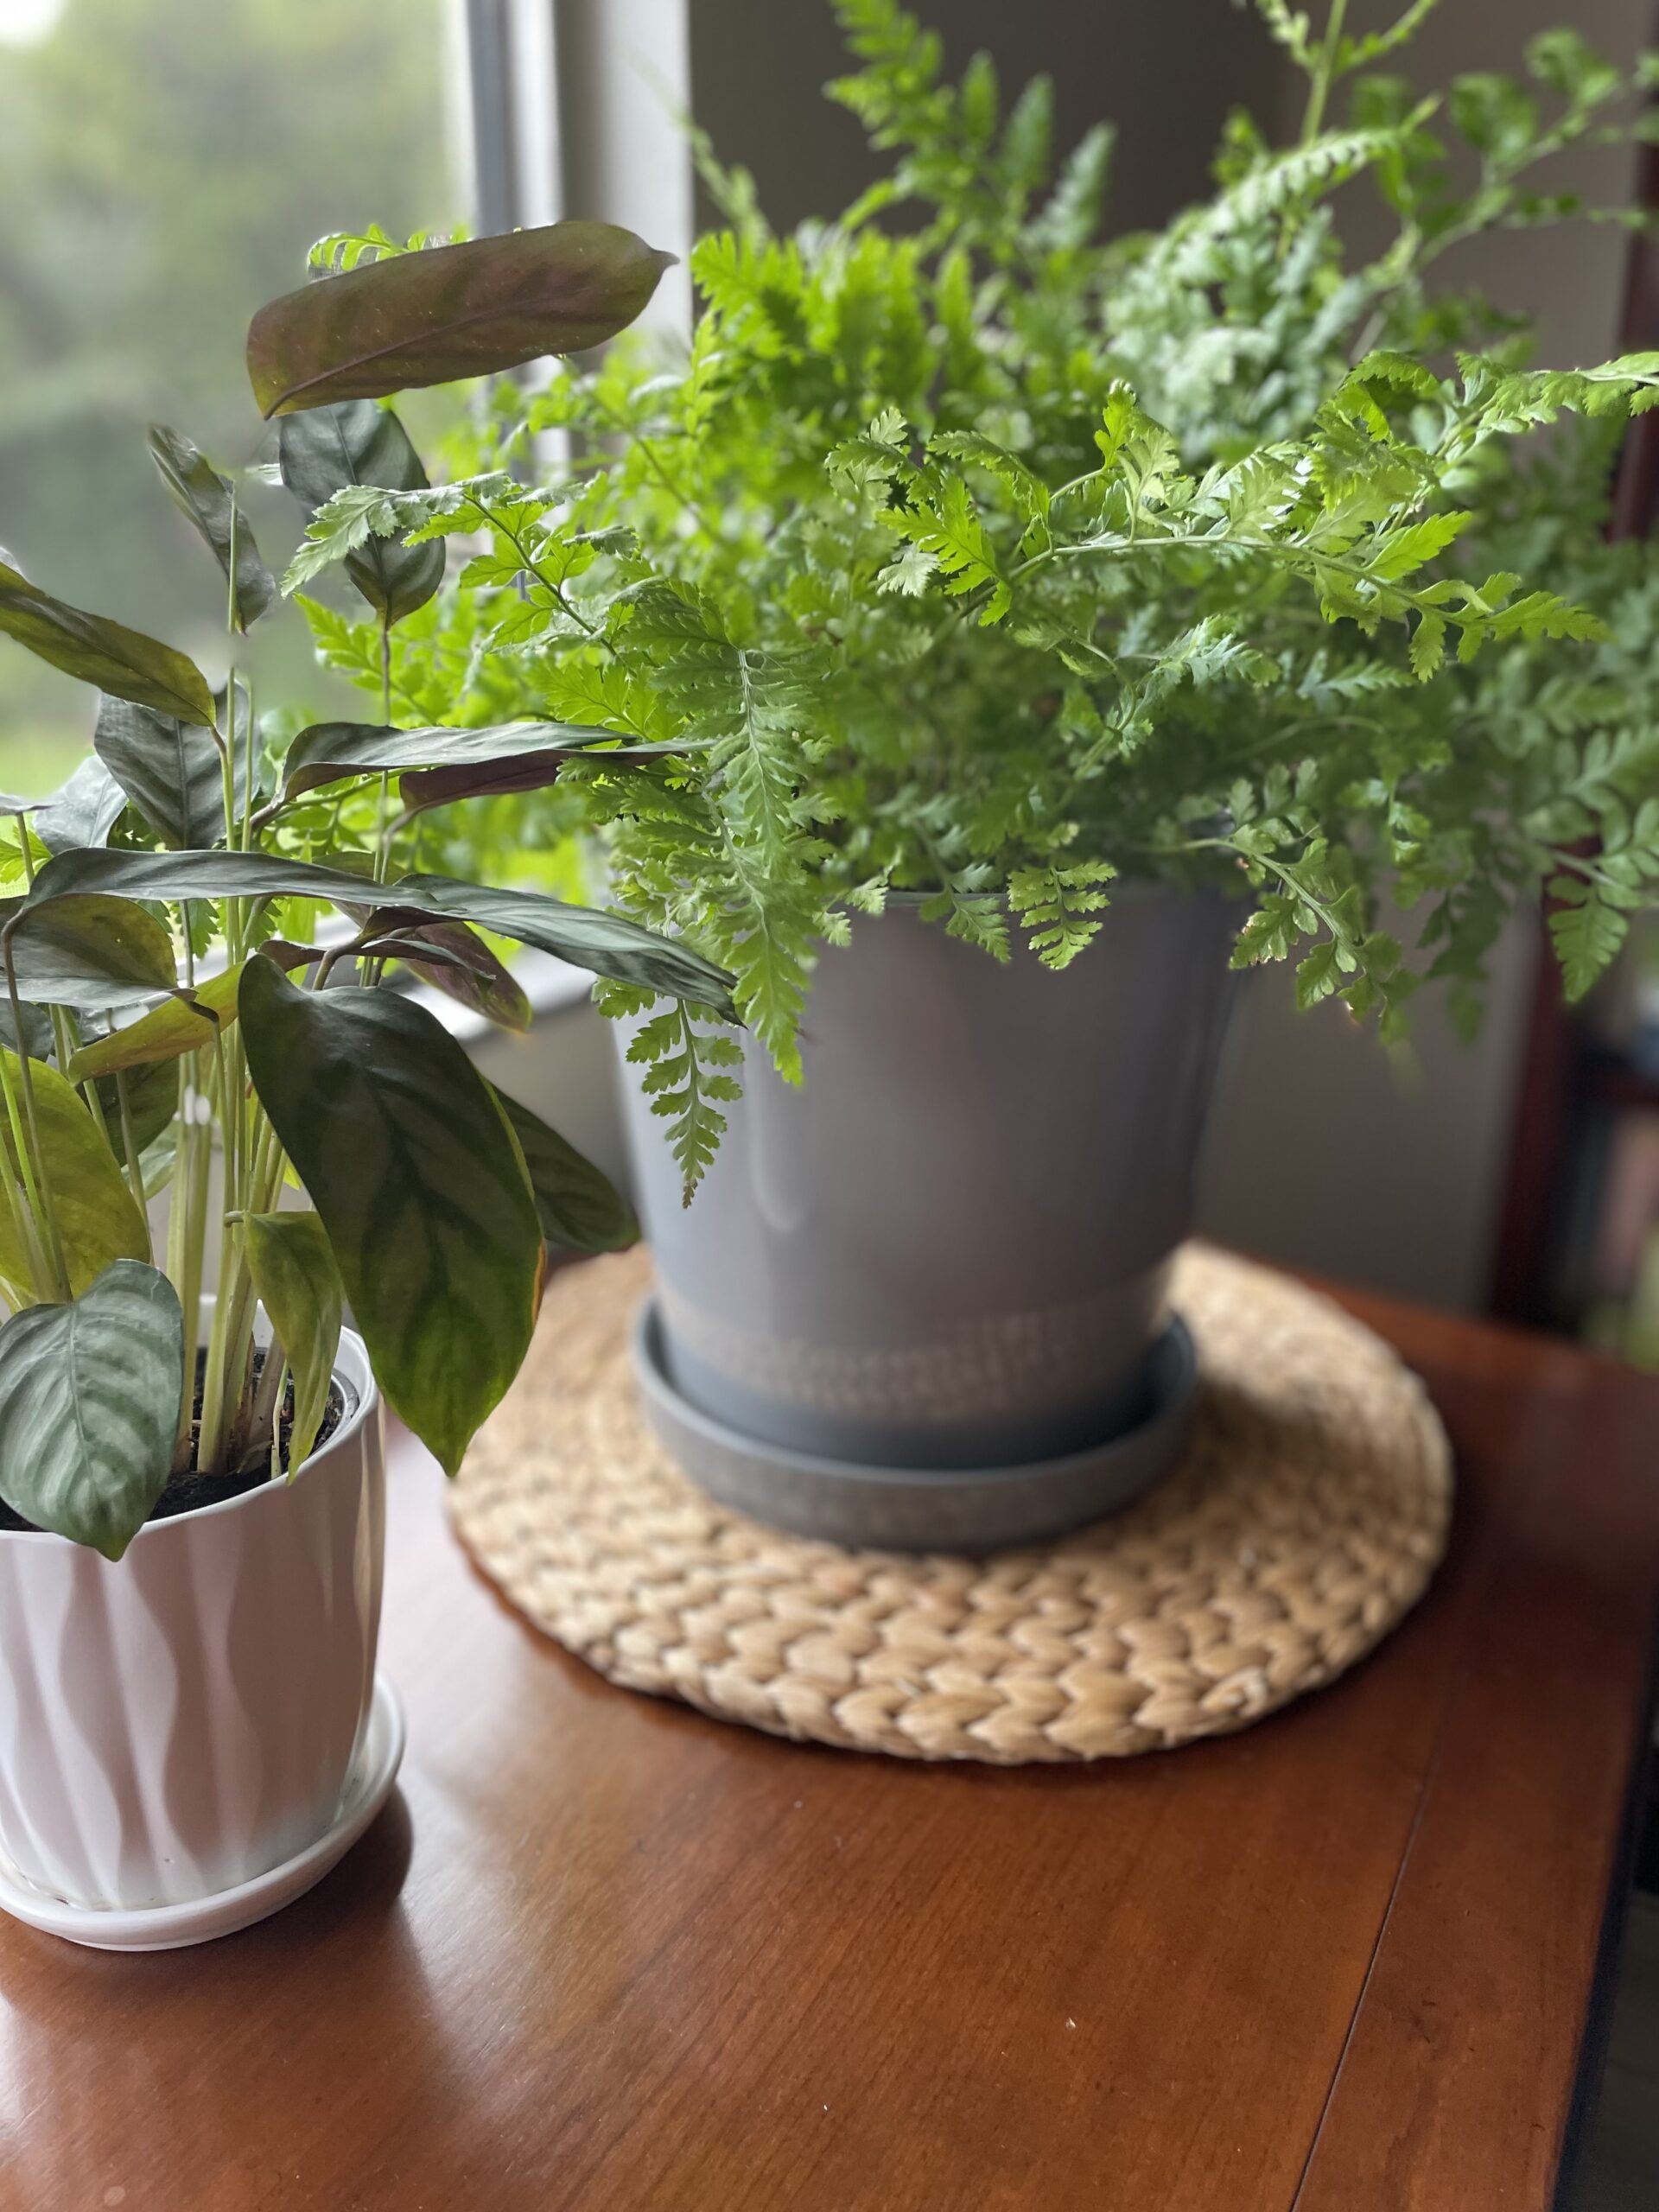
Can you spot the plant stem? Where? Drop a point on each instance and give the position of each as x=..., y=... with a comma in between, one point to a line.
x=1325, y=73
x=370, y=970
x=210, y=1439
x=24, y=1203
x=28, y=1236
x=26, y=1136
x=382, y=844
x=225, y=1108
x=187, y=1229
x=135, y=1172
x=229, y=1133
x=235, y=1298
x=66, y=1035
x=275, y=1425
x=264, y=1428
x=248, y=793
x=256, y=1186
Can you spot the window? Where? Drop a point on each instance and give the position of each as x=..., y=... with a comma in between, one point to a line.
x=163, y=166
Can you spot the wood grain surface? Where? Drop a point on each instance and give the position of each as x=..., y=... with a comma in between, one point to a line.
x=603, y=1954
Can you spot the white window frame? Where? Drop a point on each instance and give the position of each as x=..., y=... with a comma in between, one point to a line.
x=577, y=108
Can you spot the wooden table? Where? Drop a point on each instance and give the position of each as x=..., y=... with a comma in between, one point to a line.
x=604, y=1953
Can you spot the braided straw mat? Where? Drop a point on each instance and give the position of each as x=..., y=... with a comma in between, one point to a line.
x=1305, y=1520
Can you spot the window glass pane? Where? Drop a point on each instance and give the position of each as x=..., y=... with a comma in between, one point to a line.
x=163, y=166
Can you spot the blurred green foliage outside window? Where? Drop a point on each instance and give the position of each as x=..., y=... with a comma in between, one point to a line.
x=163, y=166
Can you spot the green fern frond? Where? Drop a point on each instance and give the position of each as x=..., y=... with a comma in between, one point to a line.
x=946, y=528
x=343, y=250
x=685, y=1075
x=1059, y=907
x=1586, y=932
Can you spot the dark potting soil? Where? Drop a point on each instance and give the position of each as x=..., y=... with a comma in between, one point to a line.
x=190, y=1491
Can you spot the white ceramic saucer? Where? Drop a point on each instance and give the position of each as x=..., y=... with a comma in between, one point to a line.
x=172, y=1927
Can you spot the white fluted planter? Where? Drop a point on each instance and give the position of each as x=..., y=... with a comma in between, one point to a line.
x=181, y=1722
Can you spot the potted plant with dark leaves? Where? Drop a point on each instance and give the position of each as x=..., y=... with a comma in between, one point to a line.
x=202, y=965
x=1042, y=614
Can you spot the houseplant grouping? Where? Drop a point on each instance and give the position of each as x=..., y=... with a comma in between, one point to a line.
x=999, y=574
x=979, y=625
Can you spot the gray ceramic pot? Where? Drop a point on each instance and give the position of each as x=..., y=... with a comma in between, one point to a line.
x=949, y=1250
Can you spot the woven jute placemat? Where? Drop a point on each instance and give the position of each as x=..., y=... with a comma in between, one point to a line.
x=1307, y=1519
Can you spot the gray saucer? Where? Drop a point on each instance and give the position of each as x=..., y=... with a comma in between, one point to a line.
x=934, y=1510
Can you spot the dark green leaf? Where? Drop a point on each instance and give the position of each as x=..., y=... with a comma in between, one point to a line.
x=97, y=1215
x=160, y=1160
x=96, y=955
x=292, y=1264
x=453, y=764
x=607, y=944
x=580, y=1208
x=463, y=967
x=211, y=503
x=421, y=1187
x=152, y=1102
x=465, y=310
x=172, y=770
x=82, y=811
x=198, y=875
x=91, y=1395
x=102, y=652
x=185, y=1020
x=39, y=1042
x=357, y=443
x=529, y=771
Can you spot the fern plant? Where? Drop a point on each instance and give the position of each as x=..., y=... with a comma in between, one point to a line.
x=971, y=551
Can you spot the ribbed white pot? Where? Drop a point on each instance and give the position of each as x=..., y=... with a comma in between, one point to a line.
x=186, y=1719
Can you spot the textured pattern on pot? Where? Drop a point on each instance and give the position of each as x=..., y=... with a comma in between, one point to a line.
x=950, y=1246
x=183, y=1721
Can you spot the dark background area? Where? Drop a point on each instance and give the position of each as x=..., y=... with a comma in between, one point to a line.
x=1166, y=74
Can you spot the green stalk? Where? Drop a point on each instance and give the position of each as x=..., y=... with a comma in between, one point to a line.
x=210, y=1443
x=265, y=1425
x=233, y=907
x=24, y=1201
x=230, y=1134
x=382, y=846
x=1324, y=73
x=220, y=1391
x=196, y=1188
x=264, y=1192
x=26, y=1136
x=261, y=1429
x=176, y=1219
x=227, y=1101
x=231, y=1341
x=66, y=1035
x=24, y=1229
x=187, y=1231
x=252, y=764
x=130, y=1150
x=94, y=1106
x=370, y=972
